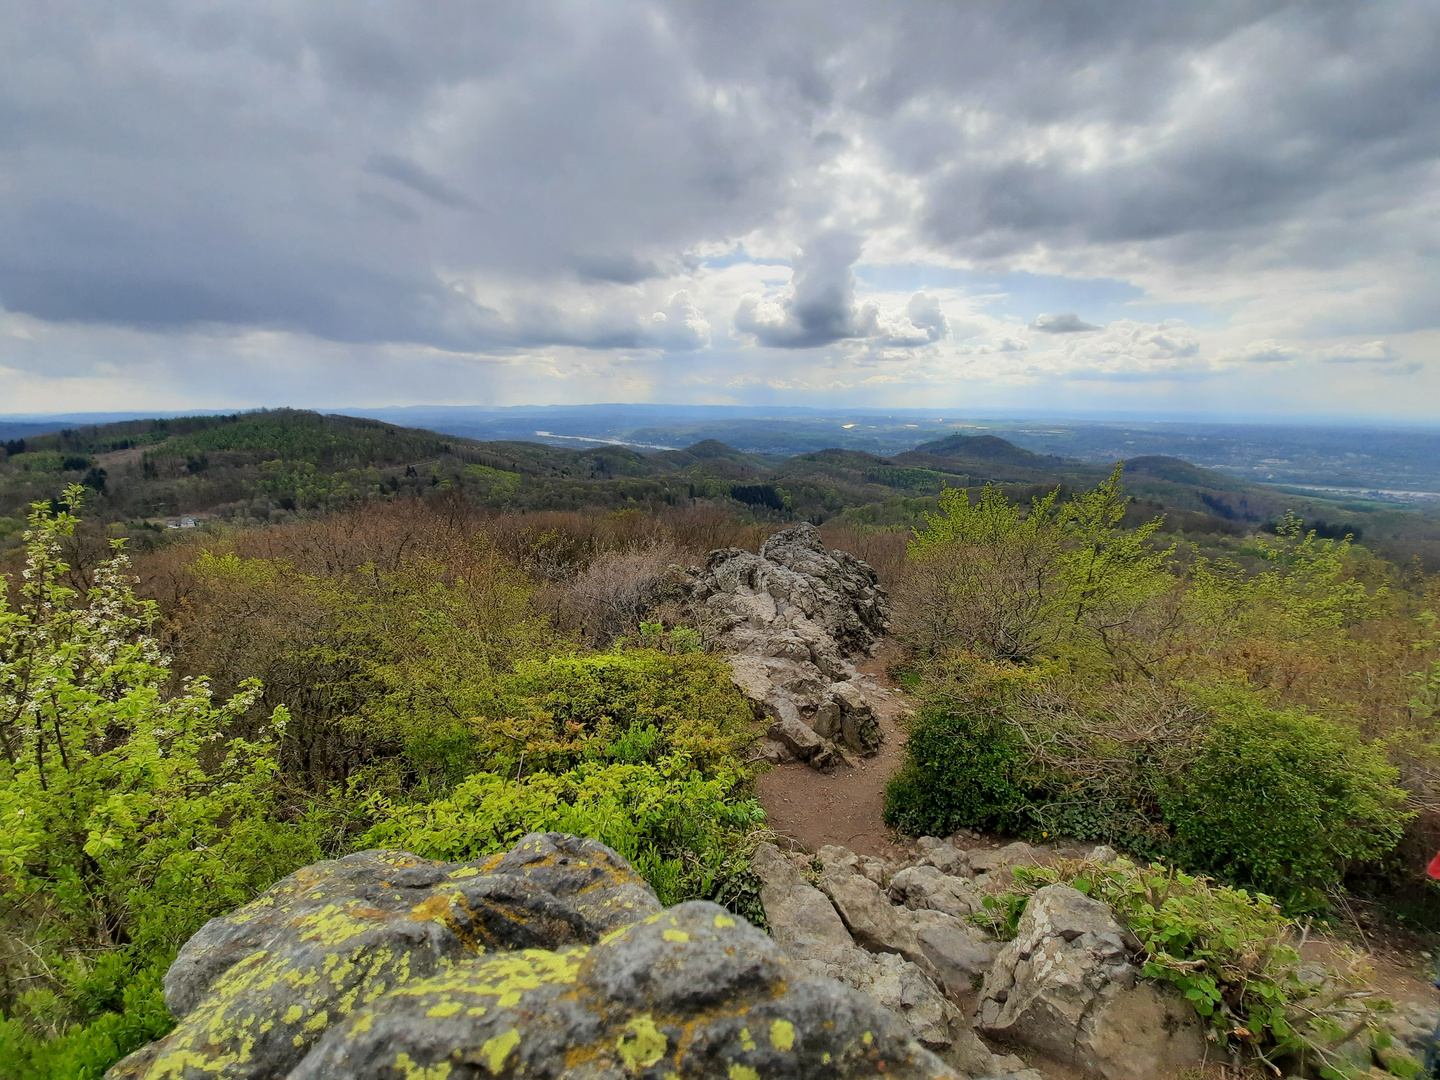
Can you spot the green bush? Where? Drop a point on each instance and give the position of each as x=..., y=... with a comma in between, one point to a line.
x=962, y=768
x=1212, y=778
x=687, y=834
x=565, y=710
x=129, y=1012
x=1282, y=800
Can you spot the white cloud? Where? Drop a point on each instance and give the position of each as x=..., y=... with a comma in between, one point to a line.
x=1267, y=351
x=1126, y=349
x=259, y=202
x=1375, y=352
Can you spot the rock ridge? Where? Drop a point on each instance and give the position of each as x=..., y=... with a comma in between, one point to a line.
x=791, y=619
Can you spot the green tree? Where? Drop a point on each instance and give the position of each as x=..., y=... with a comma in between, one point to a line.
x=1057, y=580
x=127, y=817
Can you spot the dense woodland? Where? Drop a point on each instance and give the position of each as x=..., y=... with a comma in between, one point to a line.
x=382, y=637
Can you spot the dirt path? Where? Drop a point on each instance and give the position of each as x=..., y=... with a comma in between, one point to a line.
x=846, y=806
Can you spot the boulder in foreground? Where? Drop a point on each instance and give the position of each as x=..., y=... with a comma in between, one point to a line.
x=552, y=960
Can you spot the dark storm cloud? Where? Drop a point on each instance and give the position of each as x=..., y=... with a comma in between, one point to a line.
x=441, y=173
x=417, y=179
x=619, y=269
x=1217, y=130
x=819, y=307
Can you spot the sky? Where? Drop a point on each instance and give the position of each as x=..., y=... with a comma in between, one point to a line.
x=1219, y=208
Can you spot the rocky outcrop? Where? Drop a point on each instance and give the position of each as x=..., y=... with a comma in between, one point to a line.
x=1066, y=985
x=552, y=960
x=808, y=926
x=791, y=619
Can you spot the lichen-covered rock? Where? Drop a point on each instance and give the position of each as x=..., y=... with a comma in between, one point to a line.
x=252, y=990
x=691, y=991
x=554, y=959
x=1066, y=986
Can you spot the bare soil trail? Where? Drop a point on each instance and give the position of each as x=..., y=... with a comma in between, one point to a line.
x=845, y=806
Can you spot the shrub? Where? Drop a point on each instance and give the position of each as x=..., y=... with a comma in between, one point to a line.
x=687, y=834
x=1213, y=778
x=610, y=597
x=565, y=710
x=1282, y=799
x=1054, y=580
x=963, y=767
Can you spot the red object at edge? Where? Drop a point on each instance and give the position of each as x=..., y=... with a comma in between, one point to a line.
x=1434, y=868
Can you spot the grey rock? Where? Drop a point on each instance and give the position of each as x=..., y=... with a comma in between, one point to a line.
x=873, y=867
x=807, y=927
x=774, y=752
x=1066, y=986
x=795, y=734
x=948, y=859
x=553, y=960
x=695, y=992
x=759, y=677
x=801, y=917
x=873, y=922
x=959, y=955
x=859, y=726
x=826, y=720
x=332, y=934
x=925, y=886
x=790, y=617
x=864, y=615
x=1016, y=854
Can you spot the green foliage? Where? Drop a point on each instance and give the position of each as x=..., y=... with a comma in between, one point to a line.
x=401, y=661
x=129, y=1014
x=689, y=835
x=1213, y=778
x=565, y=710
x=1282, y=799
x=1231, y=954
x=1057, y=580
x=680, y=639
x=127, y=817
x=295, y=436
x=965, y=765
x=1075, y=680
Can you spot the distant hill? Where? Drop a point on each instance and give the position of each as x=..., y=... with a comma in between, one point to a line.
x=271, y=466
x=975, y=448
x=1179, y=471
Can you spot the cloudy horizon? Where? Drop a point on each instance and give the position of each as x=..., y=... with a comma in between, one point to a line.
x=1231, y=208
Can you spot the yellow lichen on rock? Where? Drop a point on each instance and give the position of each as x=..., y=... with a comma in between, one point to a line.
x=644, y=1044
x=782, y=1034
x=496, y=1051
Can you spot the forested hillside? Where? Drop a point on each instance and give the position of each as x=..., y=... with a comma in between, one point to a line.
x=278, y=466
